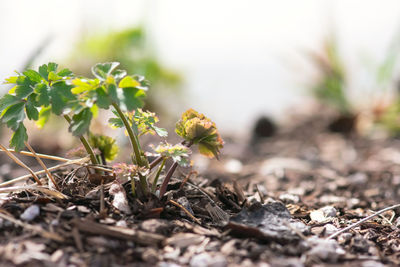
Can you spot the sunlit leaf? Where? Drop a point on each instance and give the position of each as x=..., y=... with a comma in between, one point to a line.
x=44, y=115
x=18, y=138
x=102, y=70
x=8, y=100
x=12, y=79
x=14, y=115
x=80, y=122
x=33, y=75
x=128, y=81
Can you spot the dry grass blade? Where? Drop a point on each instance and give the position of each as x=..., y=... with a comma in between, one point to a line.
x=185, y=211
x=43, y=156
x=81, y=162
x=363, y=220
x=43, y=165
x=42, y=189
x=20, y=163
x=36, y=229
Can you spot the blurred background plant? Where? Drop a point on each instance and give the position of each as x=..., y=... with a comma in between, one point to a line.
x=330, y=87
x=134, y=50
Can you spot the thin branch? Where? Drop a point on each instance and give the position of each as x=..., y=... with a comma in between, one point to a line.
x=363, y=220
x=43, y=165
x=25, y=177
x=20, y=163
x=43, y=156
x=44, y=190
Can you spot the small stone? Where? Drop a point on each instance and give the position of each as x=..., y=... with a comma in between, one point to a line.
x=30, y=213
x=344, y=238
x=205, y=259
x=326, y=250
x=233, y=166
x=330, y=229
x=121, y=223
x=289, y=198
x=329, y=211
x=317, y=216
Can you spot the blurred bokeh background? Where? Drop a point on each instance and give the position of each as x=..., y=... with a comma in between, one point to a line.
x=232, y=60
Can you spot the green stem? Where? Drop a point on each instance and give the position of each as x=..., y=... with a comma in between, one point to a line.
x=135, y=146
x=154, y=186
x=85, y=144
x=132, y=136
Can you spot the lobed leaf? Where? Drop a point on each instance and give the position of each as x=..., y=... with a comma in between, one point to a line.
x=80, y=122
x=18, y=138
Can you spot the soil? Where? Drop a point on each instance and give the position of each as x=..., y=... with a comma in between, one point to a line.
x=274, y=202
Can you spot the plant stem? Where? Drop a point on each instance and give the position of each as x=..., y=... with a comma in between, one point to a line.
x=132, y=136
x=171, y=171
x=167, y=178
x=133, y=186
x=85, y=144
x=154, y=186
x=155, y=162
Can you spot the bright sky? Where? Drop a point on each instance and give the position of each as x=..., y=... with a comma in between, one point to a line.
x=249, y=55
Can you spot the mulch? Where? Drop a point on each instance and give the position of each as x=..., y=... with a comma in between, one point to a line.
x=274, y=202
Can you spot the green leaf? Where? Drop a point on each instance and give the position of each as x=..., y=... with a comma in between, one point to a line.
x=102, y=99
x=22, y=91
x=31, y=111
x=18, y=138
x=44, y=115
x=43, y=71
x=119, y=74
x=128, y=81
x=65, y=73
x=161, y=132
x=53, y=76
x=80, y=122
x=60, y=95
x=52, y=67
x=33, y=76
x=116, y=122
x=112, y=92
x=11, y=80
x=43, y=97
x=132, y=98
x=8, y=100
x=102, y=70
x=14, y=115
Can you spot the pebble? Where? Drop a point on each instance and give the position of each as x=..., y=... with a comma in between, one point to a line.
x=323, y=214
x=330, y=229
x=205, y=259
x=289, y=198
x=326, y=250
x=329, y=211
x=30, y=213
x=233, y=166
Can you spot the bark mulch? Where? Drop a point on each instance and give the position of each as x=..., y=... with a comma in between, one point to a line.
x=275, y=202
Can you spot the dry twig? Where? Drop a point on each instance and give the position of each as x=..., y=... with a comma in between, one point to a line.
x=43, y=165
x=20, y=163
x=25, y=177
x=363, y=220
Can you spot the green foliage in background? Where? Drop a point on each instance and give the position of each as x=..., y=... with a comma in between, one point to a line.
x=330, y=87
x=132, y=48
